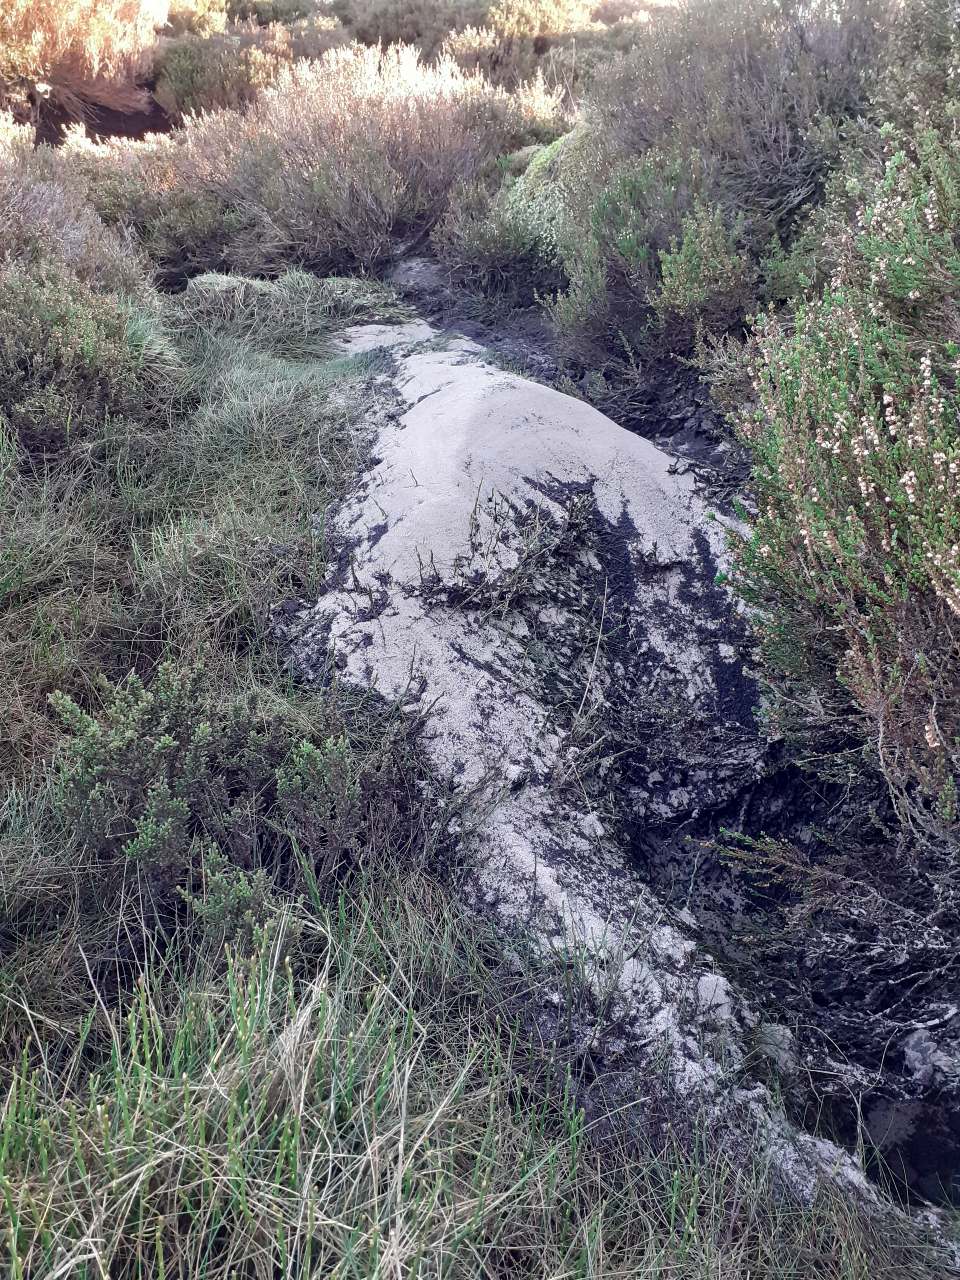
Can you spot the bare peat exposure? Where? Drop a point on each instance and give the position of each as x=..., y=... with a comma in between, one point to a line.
x=545, y=586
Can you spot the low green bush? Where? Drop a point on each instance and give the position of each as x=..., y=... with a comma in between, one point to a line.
x=425, y=23
x=47, y=216
x=704, y=277
x=167, y=783
x=734, y=108
x=267, y=12
x=198, y=17
x=533, y=18
x=512, y=244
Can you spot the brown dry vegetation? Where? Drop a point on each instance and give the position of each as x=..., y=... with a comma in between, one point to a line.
x=220, y=53
x=346, y=160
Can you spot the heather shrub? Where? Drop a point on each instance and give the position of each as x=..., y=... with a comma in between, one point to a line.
x=138, y=192
x=502, y=60
x=342, y=161
x=743, y=103
x=266, y=12
x=704, y=277
x=737, y=108
x=745, y=81
x=428, y=23
x=538, y=18
x=509, y=42
x=511, y=244
x=614, y=11
x=174, y=783
x=213, y=17
x=425, y=23
x=46, y=215
x=91, y=38
x=198, y=17
x=564, y=44
x=854, y=561
x=229, y=69
x=919, y=81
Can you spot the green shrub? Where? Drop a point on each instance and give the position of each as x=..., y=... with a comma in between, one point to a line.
x=47, y=215
x=736, y=107
x=854, y=560
x=704, y=277
x=425, y=23
x=199, y=17
x=618, y=224
x=510, y=244
x=201, y=74
x=229, y=70
x=168, y=779
x=70, y=360
x=177, y=817
x=266, y=12
x=538, y=18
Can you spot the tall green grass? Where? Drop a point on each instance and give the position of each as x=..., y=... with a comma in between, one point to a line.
x=351, y=1097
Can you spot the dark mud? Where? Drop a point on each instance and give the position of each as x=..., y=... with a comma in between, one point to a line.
x=848, y=948
x=100, y=123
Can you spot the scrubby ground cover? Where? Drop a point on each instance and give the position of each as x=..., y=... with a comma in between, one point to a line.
x=243, y=1029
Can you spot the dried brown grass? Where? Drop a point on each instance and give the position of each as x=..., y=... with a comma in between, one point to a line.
x=79, y=49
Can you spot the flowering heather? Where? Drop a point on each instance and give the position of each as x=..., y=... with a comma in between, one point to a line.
x=855, y=557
